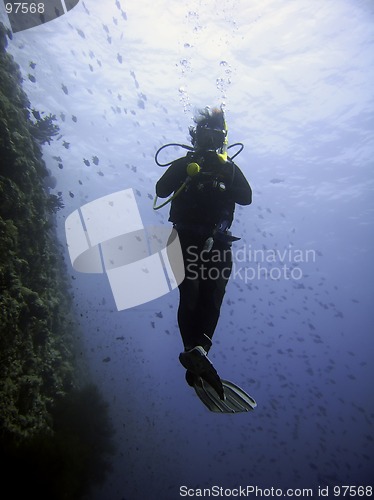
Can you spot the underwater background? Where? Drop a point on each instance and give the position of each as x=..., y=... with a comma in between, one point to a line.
x=296, y=78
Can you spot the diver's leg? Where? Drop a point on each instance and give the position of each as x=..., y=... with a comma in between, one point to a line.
x=191, y=325
x=196, y=343
x=188, y=298
x=189, y=289
x=213, y=287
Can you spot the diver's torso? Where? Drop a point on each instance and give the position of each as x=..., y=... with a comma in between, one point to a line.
x=206, y=199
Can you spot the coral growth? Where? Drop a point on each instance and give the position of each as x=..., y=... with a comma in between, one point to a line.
x=48, y=421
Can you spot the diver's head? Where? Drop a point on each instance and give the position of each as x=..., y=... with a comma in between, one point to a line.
x=210, y=133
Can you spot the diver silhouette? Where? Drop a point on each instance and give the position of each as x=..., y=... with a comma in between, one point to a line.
x=206, y=184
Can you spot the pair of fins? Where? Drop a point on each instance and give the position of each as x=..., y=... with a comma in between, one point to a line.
x=235, y=399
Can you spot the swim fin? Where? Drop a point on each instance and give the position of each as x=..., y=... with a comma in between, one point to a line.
x=235, y=401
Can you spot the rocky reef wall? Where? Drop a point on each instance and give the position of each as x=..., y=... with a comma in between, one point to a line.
x=46, y=409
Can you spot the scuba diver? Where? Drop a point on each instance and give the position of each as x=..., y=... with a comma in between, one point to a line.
x=206, y=184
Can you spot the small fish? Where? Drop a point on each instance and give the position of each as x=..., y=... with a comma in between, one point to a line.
x=95, y=160
x=36, y=114
x=65, y=89
x=32, y=78
x=86, y=162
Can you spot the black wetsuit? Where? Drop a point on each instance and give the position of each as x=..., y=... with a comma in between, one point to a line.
x=202, y=214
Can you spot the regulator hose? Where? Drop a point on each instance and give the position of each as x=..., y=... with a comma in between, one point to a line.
x=184, y=146
x=238, y=152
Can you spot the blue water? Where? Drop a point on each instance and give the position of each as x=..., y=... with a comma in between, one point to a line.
x=297, y=82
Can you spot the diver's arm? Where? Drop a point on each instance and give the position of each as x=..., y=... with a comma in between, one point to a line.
x=240, y=191
x=172, y=178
